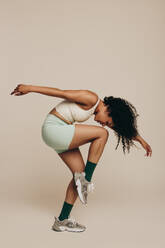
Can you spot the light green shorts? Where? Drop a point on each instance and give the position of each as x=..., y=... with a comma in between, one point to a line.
x=56, y=133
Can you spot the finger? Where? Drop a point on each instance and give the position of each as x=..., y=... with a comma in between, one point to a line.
x=18, y=94
x=13, y=92
x=18, y=86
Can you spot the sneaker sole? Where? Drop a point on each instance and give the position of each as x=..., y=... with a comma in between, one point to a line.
x=78, y=183
x=67, y=229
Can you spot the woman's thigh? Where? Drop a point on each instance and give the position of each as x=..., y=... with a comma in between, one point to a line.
x=57, y=136
x=63, y=137
x=87, y=133
x=73, y=159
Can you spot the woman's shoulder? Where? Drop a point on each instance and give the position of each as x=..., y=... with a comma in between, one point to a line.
x=93, y=98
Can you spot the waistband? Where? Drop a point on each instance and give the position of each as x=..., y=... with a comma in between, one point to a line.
x=53, y=118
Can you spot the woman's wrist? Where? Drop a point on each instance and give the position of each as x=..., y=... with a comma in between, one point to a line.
x=138, y=138
x=49, y=91
x=32, y=88
x=37, y=89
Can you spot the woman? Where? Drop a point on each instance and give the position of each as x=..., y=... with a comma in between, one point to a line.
x=60, y=133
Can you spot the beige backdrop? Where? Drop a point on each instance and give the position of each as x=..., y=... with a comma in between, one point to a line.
x=113, y=48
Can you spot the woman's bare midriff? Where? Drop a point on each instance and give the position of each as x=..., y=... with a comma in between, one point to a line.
x=54, y=112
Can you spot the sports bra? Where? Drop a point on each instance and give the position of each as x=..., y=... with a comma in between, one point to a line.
x=72, y=112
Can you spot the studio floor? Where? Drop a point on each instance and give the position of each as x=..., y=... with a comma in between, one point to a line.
x=109, y=224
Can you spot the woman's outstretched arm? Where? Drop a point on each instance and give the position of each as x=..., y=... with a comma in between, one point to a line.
x=49, y=91
x=85, y=97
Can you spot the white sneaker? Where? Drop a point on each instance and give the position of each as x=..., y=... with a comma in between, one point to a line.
x=69, y=225
x=83, y=186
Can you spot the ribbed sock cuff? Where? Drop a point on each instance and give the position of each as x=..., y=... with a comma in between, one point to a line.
x=89, y=169
x=65, y=212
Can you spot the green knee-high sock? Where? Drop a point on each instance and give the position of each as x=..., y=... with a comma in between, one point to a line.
x=89, y=169
x=66, y=209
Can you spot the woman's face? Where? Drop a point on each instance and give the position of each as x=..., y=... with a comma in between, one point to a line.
x=102, y=115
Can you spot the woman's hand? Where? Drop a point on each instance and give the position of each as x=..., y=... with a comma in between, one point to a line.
x=144, y=144
x=21, y=89
x=147, y=147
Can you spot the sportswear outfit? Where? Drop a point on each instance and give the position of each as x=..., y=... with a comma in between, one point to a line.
x=58, y=135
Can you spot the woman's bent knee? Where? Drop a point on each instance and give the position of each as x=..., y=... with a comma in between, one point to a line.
x=105, y=133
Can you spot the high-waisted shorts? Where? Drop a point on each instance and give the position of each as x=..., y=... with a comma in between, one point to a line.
x=56, y=133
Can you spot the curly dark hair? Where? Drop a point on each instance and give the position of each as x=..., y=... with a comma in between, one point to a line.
x=124, y=116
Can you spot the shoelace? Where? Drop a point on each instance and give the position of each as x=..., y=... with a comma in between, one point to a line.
x=90, y=187
x=72, y=219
